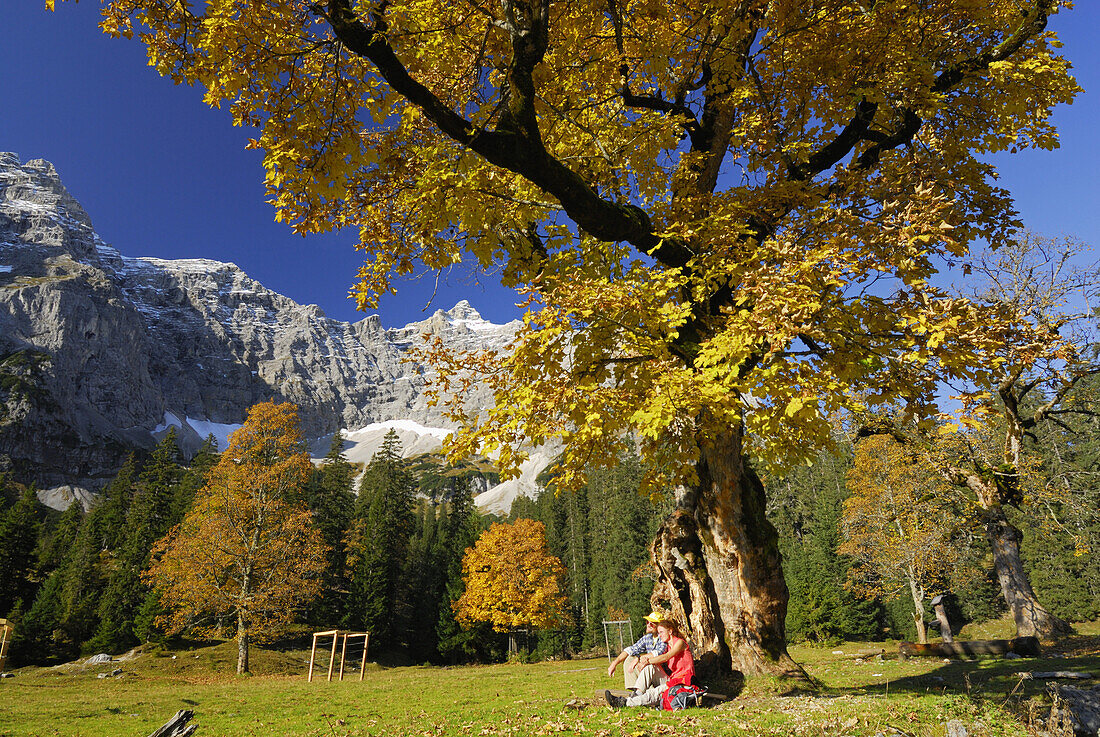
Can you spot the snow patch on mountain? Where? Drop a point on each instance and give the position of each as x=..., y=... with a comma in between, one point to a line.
x=201, y=427
x=498, y=500
x=361, y=445
x=399, y=425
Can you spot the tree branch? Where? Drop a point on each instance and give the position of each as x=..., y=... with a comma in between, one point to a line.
x=515, y=145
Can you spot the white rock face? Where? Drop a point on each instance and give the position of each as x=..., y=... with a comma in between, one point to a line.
x=101, y=353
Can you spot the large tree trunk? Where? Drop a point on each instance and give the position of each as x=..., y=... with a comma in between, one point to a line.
x=719, y=571
x=1031, y=617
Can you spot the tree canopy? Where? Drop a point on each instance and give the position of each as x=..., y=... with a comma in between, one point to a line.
x=726, y=216
x=692, y=190
x=512, y=581
x=898, y=525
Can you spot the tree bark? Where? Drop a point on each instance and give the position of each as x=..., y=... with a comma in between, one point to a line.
x=719, y=569
x=1031, y=617
x=945, y=623
x=242, y=643
x=917, y=594
x=993, y=491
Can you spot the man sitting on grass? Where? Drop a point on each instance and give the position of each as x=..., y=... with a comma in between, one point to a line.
x=639, y=676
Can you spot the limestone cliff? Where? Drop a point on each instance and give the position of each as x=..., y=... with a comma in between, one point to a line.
x=100, y=352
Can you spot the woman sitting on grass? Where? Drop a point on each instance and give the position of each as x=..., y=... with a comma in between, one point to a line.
x=677, y=660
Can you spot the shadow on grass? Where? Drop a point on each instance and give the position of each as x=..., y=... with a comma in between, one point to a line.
x=993, y=679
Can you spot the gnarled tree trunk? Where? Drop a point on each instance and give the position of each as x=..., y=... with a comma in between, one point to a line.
x=719, y=570
x=1031, y=617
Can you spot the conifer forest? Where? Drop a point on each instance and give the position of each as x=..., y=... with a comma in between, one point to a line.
x=394, y=534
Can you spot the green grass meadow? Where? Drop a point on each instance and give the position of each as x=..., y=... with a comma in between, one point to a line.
x=859, y=695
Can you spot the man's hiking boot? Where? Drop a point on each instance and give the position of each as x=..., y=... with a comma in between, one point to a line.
x=615, y=702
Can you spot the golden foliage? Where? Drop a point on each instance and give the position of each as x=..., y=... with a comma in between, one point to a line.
x=512, y=581
x=898, y=524
x=243, y=549
x=725, y=216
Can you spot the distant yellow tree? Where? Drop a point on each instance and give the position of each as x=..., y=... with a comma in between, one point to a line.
x=512, y=581
x=244, y=550
x=897, y=525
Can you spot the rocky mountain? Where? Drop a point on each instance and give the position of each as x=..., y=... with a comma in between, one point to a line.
x=100, y=353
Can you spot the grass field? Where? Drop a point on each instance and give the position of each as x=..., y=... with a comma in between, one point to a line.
x=859, y=696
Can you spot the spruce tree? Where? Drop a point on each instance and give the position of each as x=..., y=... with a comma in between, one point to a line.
x=19, y=528
x=40, y=635
x=379, y=541
x=1060, y=543
x=806, y=507
x=147, y=520
x=109, y=513
x=86, y=566
x=40, y=618
x=621, y=524
x=416, y=611
x=330, y=500
x=461, y=528
x=57, y=541
x=193, y=479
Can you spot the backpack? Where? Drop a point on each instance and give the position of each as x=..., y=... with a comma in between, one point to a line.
x=681, y=696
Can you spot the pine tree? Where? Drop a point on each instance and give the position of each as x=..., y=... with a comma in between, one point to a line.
x=109, y=513
x=194, y=478
x=378, y=541
x=1060, y=543
x=19, y=528
x=87, y=564
x=806, y=507
x=58, y=540
x=621, y=524
x=147, y=520
x=461, y=526
x=416, y=611
x=330, y=500
x=41, y=637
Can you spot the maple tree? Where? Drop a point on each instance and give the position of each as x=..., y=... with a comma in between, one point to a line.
x=898, y=525
x=243, y=549
x=725, y=216
x=512, y=581
x=1030, y=381
x=1040, y=277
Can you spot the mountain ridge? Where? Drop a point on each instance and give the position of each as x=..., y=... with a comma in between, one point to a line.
x=100, y=352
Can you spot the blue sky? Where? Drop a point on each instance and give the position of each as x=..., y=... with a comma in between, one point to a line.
x=163, y=175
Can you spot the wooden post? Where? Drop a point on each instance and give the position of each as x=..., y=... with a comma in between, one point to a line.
x=343, y=655
x=6, y=632
x=312, y=655
x=336, y=635
x=313, y=650
x=363, y=662
x=332, y=655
